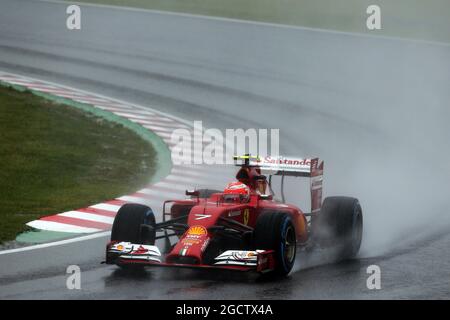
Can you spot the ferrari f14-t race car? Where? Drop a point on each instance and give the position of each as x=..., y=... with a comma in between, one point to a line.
x=241, y=228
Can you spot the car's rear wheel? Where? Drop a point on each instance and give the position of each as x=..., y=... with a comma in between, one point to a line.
x=134, y=223
x=339, y=225
x=276, y=231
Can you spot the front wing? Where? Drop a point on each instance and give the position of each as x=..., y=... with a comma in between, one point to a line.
x=125, y=253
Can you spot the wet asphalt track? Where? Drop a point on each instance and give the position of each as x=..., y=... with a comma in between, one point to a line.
x=375, y=109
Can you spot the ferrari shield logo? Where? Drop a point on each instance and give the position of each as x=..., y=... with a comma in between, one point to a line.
x=246, y=216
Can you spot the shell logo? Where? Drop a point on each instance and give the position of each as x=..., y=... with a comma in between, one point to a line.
x=197, y=230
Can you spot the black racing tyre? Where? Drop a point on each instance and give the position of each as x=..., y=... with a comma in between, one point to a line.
x=134, y=223
x=206, y=193
x=276, y=231
x=339, y=224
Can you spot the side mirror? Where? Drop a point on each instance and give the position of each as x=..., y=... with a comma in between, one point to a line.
x=265, y=196
x=194, y=193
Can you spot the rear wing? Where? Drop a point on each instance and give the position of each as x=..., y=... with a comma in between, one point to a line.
x=298, y=167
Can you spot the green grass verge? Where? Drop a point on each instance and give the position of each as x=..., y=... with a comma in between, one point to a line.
x=56, y=158
x=417, y=19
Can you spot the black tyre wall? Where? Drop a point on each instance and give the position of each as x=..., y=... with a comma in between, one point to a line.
x=128, y=221
x=339, y=224
x=268, y=235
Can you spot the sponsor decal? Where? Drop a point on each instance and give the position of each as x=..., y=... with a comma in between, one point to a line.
x=243, y=255
x=202, y=216
x=237, y=186
x=120, y=247
x=239, y=255
x=183, y=251
x=234, y=213
x=197, y=231
x=205, y=244
x=263, y=263
x=140, y=250
x=246, y=216
x=193, y=236
x=190, y=242
x=286, y=161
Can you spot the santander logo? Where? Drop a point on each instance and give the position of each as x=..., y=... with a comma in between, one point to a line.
x=286, y=161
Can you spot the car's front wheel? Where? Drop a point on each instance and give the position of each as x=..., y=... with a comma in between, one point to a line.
x=134, y=223
x=276, y=231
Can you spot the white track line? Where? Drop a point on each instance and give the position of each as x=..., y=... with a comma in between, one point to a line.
x=57, y=243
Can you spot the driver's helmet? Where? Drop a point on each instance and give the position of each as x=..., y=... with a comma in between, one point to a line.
x=236, y=191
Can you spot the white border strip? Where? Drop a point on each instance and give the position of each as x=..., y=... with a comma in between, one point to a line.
x=57, y=243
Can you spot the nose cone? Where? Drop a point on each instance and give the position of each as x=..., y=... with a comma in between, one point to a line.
x=191, y=246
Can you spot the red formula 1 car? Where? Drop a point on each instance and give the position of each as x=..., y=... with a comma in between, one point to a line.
x=242, y=228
